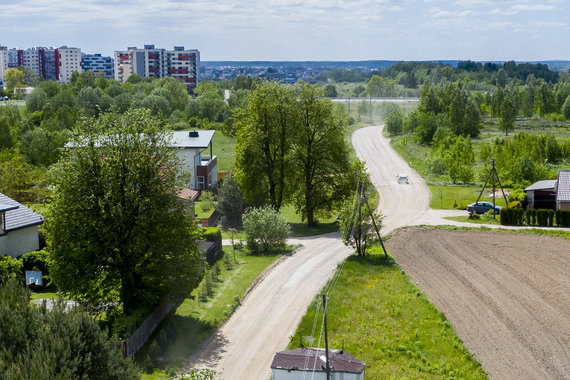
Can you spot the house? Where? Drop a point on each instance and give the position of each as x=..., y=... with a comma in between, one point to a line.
x=551, y=194
x=310, y=363
x=563, y=190
x=18, y=228
x=203, y=169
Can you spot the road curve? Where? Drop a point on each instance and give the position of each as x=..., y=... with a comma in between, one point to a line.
x=401, y=204
x=243, y=348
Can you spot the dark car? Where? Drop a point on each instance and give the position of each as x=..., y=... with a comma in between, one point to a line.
x=482, y=207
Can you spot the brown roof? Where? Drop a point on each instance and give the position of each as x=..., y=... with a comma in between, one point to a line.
x=307, y=359
x=188, y=194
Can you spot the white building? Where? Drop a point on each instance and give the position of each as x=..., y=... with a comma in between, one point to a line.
x=3, y=63
x=18, y=228
x=69, y=60
x=310, y=363
x=202, y=168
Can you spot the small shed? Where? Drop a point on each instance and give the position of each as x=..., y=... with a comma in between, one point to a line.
x=188, y=197
x=563, y=190
x=310, y=363
x=542, y=195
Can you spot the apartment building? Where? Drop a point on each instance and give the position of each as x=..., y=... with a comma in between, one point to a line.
x=158, y=63
x=48, y=63
x=99, y=64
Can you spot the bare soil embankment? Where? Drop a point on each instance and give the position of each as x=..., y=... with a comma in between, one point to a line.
x=506, y=295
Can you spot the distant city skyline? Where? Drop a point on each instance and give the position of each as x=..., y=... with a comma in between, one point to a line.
x=299, y=30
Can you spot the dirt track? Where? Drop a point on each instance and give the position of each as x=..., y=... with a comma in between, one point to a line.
x=506, y=295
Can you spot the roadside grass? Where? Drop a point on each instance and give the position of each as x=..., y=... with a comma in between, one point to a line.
x=379, y=316
x=299, y=227
x=474, y=221
x=458, y=197
x=544, y=232
x=178, y=336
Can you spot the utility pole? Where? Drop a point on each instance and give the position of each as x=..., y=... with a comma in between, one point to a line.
x=327, y=365
x=492, y=174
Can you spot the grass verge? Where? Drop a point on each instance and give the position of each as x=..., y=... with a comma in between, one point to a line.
x=380, y=317
x=178, y=337
x=483, y=220
x=537, y=231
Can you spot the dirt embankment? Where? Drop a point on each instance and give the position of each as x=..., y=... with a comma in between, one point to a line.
x=507, y=295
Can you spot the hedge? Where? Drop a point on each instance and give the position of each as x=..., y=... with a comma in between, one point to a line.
x=533, y=217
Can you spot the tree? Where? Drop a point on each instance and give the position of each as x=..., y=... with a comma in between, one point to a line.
x=395, y=123
x=378, y=86
x=230, y=203
x=331, y=91
x=54, y=344
x=566, y=108
x=462, y=111
x=265, y=228
x=508, y=114
x=264, y=131
x=320, y=154
x=36, y=100
x=14, y=78
x=16, y=175
x=358, y=225
x=117, y=234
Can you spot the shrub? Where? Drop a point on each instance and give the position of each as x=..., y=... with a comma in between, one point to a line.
x=207, y=201
x=265, y=228
x=37, y=260
x=474, y=216
x=504, y=217
x=10, y=268
x=550, y=218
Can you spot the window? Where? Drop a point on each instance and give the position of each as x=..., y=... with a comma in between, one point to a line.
x=201, y=184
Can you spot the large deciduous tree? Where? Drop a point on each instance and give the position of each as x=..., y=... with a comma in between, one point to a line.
x=320, y=156
x=118, y=236
x=264, y=130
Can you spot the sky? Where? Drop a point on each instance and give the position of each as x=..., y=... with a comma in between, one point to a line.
x=298, y=30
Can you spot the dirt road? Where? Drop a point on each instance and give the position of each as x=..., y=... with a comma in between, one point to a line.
x=244, y=346
x=506, y=295
x=401, y=204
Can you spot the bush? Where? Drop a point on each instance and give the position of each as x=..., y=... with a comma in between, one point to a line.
x=265, y=228
x=474, y=216
x=10, y=268
x=550, y=218
x=504, y=217
x=206, y=201
x=37, y=260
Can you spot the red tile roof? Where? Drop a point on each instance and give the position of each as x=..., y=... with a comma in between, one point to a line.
x=307, y=359
x=188, y=194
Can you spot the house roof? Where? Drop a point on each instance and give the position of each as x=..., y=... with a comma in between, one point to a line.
x=307, y=359
x=543, y=185
x=188, y=194
x=563, y=189
x=17, y=215
x=183, y=139
x=180, y=139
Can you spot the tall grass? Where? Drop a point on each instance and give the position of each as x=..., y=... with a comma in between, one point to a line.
x=381, y=318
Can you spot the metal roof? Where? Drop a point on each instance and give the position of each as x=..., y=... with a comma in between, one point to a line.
x=182, y=139
x=563, y=190
x=543, y=185
x=307, y=359
x=18, y=216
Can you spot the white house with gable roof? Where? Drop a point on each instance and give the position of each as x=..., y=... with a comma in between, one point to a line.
x=18, y=228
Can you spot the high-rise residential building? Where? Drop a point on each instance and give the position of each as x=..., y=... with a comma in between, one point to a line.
x=98, y=64
x=3, y=63
x=158, y=63
x=48, y=63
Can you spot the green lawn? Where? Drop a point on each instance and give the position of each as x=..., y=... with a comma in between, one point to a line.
x=223, y=147
x=194, y=321
x=483, y=220
x=458, y=197
x=299, y=227
x=46, y=292
x=382, y=319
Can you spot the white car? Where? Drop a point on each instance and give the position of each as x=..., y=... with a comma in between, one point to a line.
x=402, y=178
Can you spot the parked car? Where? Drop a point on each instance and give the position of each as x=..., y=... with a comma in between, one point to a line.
x=402, y=178
x=482, y=207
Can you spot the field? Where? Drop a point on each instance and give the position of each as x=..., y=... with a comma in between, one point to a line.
x=379, y=316
x=506, y=294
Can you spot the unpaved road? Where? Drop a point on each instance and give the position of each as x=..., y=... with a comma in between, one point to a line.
x=243, y=348
x=506, y=295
